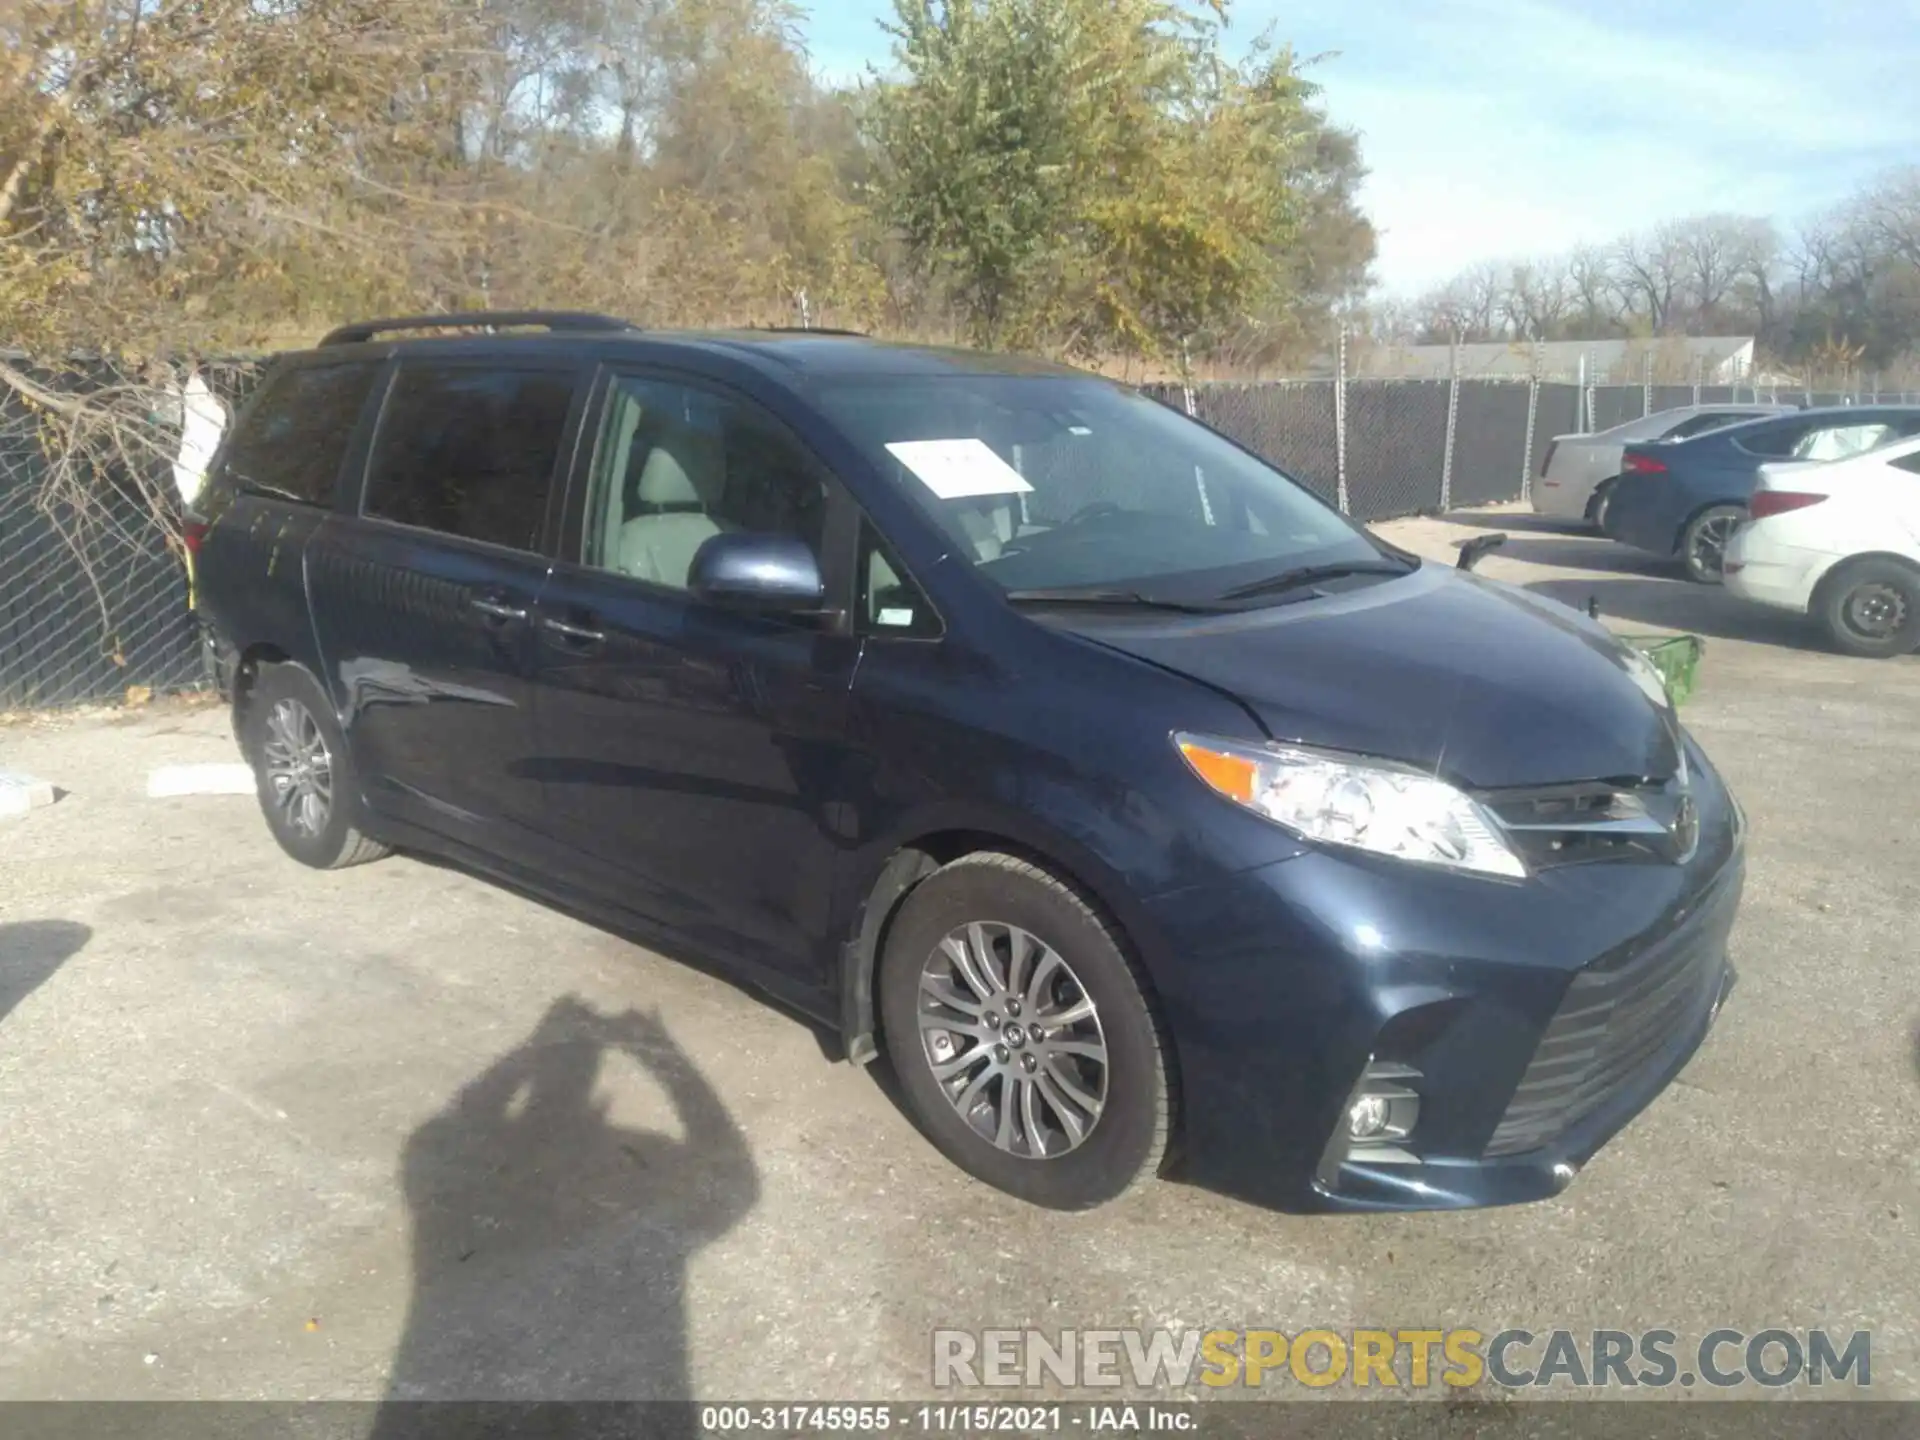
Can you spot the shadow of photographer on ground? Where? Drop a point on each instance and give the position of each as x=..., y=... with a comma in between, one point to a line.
x=550, y=1244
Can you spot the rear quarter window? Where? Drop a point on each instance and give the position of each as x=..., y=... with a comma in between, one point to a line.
x=292, y=441
x=470, y=451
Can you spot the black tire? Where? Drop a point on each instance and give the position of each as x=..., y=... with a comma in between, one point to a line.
x=1597, y=506
x=1127, y=1140
x=329, y=837
x=1871, y=608
x=1703, y=544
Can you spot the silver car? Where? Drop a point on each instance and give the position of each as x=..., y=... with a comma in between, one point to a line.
x=1579, y=470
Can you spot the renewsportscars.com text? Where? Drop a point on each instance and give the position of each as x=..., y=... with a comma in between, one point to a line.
x=1406, y=1358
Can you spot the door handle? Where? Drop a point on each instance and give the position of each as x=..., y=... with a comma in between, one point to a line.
x=571, y=633
x=498, y=609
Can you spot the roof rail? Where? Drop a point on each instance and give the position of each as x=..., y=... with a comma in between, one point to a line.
x=557, y=321
x=809, y=330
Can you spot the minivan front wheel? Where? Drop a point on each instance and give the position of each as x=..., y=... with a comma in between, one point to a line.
x=1022, y=1034
x=302, y=772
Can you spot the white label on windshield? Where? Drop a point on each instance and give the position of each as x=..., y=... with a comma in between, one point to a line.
x=957, y=469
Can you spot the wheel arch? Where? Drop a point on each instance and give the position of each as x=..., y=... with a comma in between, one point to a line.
x=246, y=674
x=924, y=853
x=1694, y=512
x=1836, y=572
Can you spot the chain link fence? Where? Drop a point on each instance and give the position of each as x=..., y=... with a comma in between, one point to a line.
x=93, y=588
x=1380, y=448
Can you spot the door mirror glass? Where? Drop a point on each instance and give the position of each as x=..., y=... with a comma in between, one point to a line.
x=757, y=571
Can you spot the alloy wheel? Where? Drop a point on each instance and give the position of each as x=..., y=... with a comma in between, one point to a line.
x=1013, y=1039
x=299, y=767
x=1708, y=550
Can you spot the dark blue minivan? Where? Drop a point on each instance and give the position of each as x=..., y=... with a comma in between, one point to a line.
x=1144, y=813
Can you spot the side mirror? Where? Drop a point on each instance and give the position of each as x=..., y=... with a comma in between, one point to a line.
x=752, y=571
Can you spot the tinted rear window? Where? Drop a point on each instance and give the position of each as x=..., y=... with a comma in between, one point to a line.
x=470, y=452
x=293, y=441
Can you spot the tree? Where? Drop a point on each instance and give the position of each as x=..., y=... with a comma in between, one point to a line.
x=1650, y=273
x=1093, y=176
x=171, y=163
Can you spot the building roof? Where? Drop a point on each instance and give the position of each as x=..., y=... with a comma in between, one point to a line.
x=1676, y=358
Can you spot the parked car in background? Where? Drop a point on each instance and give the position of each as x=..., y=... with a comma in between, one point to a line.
x=1142, y=809
x=1683, y=500
x=1578, y=471
x=1840, y=542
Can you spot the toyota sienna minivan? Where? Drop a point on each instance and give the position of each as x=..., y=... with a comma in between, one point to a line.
x=1144, y=813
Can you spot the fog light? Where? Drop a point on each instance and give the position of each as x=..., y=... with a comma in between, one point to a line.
x=1367, y=1120
x=1385, y=1107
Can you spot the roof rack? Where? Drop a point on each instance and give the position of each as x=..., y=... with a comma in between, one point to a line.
x=557, y=321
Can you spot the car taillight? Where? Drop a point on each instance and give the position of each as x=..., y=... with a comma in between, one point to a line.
x=193, y=532
x=1779, y=502
x=1546, y=461
x=1633, y=464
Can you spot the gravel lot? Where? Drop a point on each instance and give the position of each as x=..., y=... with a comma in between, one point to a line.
x=272, y=1133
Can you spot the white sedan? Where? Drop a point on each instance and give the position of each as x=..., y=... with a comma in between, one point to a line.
x=1578, y=470
x=1839, y=541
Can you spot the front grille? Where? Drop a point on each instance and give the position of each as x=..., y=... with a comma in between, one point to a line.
x=1624, y=820
x=1615, y=1024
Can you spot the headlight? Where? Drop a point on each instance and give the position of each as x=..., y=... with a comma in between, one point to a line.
x=1364, y=804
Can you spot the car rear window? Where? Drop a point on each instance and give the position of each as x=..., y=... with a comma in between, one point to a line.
x=1700, y=424
x=1776, y=442
x=470, y=451
x=292, y=442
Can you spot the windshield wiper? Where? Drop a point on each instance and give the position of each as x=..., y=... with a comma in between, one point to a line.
x=1311, y=575
x=1095, y=595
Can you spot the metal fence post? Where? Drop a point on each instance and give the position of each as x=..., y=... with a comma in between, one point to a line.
x=1453, y=425
x=1340, y=424
x=1533, y=420
x=1646, y=384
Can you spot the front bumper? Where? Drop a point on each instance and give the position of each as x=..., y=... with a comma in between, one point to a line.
x=1541, y=1017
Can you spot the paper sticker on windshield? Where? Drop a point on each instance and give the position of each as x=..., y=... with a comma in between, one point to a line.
x=957, y=469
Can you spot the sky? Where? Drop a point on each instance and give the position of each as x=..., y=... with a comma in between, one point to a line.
x=1515, y=129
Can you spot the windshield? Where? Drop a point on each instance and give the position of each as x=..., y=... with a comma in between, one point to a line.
x=1053, y=482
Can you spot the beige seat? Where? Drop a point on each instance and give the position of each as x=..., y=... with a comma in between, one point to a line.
x=680, y=483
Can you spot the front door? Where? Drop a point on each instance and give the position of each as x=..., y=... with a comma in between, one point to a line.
x=423, y=603
x=695, y=758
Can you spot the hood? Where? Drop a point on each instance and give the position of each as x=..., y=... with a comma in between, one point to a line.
x=1479, y=682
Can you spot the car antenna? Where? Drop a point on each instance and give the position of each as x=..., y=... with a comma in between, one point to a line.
x=1474, y=550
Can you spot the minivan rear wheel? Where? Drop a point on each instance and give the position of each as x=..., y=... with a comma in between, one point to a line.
x=1022, y=1034
x=302, y=772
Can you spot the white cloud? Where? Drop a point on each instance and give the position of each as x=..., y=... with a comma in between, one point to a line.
x=1504, y=128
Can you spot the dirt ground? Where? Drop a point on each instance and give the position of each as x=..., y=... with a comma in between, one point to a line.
x=394, y=1131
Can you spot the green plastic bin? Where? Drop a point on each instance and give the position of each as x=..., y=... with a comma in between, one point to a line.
x=1676, y=657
